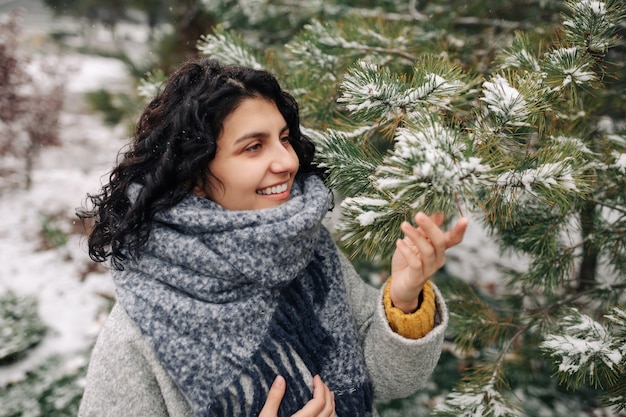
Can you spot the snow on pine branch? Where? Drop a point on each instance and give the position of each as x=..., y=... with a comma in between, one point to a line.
x=519, y=54
x=371, y=92
x=308, y=55
x=505, y=103
x=349, y=163
x=546, y=175
x=620, y=162
x=228, y=48
x=429, y=167
x=570, y=65
x=330, y=36
x=149, y=85
x=324, y=35
x=472, y=401
x=559, y=168
x=369, y=224
x=368, y=209
x=585, y=349
x=591, y=24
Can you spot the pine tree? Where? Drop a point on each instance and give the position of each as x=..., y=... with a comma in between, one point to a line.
x=507, y=125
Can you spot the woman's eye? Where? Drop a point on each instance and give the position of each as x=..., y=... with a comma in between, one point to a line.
x=285, y=139
x=253, y=148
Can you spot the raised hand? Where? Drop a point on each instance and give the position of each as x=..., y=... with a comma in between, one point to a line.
x=321, y=405
x=419, y=255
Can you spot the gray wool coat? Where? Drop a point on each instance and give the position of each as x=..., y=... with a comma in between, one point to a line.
x=125, y=377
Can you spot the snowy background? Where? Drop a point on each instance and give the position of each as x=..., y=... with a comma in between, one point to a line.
x=73, y=294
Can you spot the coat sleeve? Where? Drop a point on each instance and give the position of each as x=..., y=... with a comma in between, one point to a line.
x=398, y=366
x=124, y=377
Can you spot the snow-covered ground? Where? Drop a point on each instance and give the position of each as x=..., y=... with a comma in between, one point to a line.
x=72, y=295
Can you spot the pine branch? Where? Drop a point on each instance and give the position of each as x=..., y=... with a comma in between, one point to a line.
x=369, y=225
x=591, y=25
x=546, y=311
x=149, y=86
x=586, y=351
x=478, y=396
x=569, y=68
x=615, y=397
x=520, y=55
x=513, y=103
x=478, y=322
x=492, y=23
x=228, y=47
x=371, y=92
x=354, y=163
x=332, y=37
x=430, y=167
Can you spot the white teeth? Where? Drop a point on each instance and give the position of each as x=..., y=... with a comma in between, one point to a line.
x=273, y=190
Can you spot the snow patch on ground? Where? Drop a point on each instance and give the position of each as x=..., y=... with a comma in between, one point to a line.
x=70, y=291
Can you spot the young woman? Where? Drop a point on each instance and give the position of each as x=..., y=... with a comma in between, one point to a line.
x=231, y=297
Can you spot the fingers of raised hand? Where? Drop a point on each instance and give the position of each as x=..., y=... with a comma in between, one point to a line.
x=410, y=253
x=437, y=218
x=430, y=228
x=455, y=236
x=427, y=241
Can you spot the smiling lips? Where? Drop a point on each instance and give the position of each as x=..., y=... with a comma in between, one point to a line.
x=277, y=189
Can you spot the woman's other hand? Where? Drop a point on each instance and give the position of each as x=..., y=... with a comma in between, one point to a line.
x=322, y=404
x=419, y=255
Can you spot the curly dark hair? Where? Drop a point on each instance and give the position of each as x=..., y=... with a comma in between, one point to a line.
x=172, y=146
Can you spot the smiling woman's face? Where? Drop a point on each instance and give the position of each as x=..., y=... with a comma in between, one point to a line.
x=255, y=165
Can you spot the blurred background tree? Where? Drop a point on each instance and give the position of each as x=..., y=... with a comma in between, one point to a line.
x=30, y=106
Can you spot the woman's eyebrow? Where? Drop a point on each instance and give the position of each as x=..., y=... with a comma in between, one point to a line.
x=252, y=135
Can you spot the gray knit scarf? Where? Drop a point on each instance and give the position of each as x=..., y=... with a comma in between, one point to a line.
x=230, y=299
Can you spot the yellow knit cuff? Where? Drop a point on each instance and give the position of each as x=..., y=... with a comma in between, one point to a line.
x=413, y=325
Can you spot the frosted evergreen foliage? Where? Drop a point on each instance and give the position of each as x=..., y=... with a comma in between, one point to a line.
x=586, y=351
x=484, y=401
x=20, y=325
x=571, y=65
x=257, y=12
x=328, y=36
x=316, y=59
x=358, y=162
x=547, y=175
x=520, y=55
x=228, y=48
x=505, y=103
x=620, y=162
x=429, y=161
x=53, y=389
x=147, y=89
x=325, y=35
x=371, y=92
x=149, y=86
x=591, y=23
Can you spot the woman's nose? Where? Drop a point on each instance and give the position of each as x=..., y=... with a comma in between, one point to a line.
x=284, y=159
